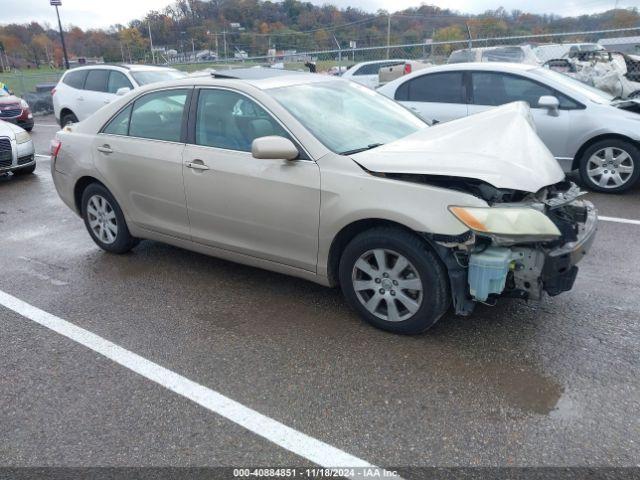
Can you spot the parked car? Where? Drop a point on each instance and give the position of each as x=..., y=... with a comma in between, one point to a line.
x=511, y=54
x=388, y=74
x=16, y=110
x=367, y=73
x=561, y=50
x=349, y=188
x=585, y=128
x=17, y=154
x=82, y=91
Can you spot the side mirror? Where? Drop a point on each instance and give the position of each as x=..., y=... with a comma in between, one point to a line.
x=550, y=103
x=274, y=148
x=122, y=91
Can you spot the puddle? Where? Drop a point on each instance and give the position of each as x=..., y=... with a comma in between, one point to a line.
x=521, y=387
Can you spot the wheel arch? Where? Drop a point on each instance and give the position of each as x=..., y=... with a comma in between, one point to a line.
x=80, y=187
x=586, y=145
x=64, y=111
x=348, y=233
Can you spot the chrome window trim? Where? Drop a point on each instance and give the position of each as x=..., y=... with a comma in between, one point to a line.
x=101, y=131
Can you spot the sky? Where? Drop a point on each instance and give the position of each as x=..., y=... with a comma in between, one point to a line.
x=102, y=13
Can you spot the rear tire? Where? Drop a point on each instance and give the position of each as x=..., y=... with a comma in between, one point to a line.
x=25, y=170
x=68, y=118
x=105, y=221
x=610, y=166
x=407, y=294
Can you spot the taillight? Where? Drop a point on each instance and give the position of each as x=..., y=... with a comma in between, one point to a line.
x=55, y=147
x=53, y=91
x=407, y=68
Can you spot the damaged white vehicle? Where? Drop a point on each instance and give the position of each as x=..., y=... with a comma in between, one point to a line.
x=329, y=181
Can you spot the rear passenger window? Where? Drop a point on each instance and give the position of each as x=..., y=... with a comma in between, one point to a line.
x=75, y=79
x=119, y=125
x=117, y=80
x=232, y=121
x=446, y=87
x=97, y=80
x=159, y=115
x=495, y=88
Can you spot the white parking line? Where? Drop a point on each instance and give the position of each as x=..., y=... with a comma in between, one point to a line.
x=40, y=155
x=297, y=442
x=52, y=125
x=619, y=220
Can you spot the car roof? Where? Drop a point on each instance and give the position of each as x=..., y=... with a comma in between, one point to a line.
x=373, y=62
x=116, y=66
x=258, y=79
x=502, y=66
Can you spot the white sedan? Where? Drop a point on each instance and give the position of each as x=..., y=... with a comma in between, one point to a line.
x=585, y=128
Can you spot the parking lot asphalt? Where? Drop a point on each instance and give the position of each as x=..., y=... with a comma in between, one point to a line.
x=519, y=384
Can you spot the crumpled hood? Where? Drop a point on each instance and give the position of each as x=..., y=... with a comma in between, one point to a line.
x=498, y=146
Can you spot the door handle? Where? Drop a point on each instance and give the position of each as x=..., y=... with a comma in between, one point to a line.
x=80, y=99
x=197, y=165
x=107, y=101
x=105, y=149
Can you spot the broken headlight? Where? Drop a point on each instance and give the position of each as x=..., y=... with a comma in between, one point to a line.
x=507, y=224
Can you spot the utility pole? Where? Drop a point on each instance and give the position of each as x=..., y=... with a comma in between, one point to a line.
x=153, y=55
x=469, y=33
x=193, y=49
x=388, y=36
x=58, y=3
x=224, y=39
x=339, y=50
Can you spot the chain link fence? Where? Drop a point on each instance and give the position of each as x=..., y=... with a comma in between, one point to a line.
x=606, y=59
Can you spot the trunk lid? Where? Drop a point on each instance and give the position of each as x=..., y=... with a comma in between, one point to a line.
x=499, y=146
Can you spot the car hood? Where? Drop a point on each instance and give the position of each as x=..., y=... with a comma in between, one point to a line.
x=9, y=99
x=9, y=129
x=499, y=146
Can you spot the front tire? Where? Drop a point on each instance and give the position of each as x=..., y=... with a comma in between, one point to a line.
x=394, y=280
x=105, y=221
x=610, y=166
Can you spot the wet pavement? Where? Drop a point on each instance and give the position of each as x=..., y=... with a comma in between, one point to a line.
x=520, y=384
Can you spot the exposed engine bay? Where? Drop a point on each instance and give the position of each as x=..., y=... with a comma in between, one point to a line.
x=483, y=267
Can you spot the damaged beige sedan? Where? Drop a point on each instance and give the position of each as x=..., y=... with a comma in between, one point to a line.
x=329, y=181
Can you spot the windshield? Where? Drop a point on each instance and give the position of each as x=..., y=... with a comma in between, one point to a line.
x=594, y=94
x=144, y=77
x=462, y=56
x=506, y=54
x=347, y=117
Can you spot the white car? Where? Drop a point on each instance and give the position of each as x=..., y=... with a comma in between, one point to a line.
x=367, y=73
x=585, y=128
x=17, y=153
x=83, y=91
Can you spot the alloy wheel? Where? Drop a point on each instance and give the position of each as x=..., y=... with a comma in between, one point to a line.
x=387, y=284
x=102, y=219
x=610, y=167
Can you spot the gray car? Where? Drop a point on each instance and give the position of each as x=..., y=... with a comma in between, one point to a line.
x=585, y=129
x=17, y=154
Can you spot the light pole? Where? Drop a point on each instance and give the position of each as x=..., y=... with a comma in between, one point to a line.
x=58, y=3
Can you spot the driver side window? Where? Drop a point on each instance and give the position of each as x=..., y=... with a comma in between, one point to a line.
x=229, y=120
